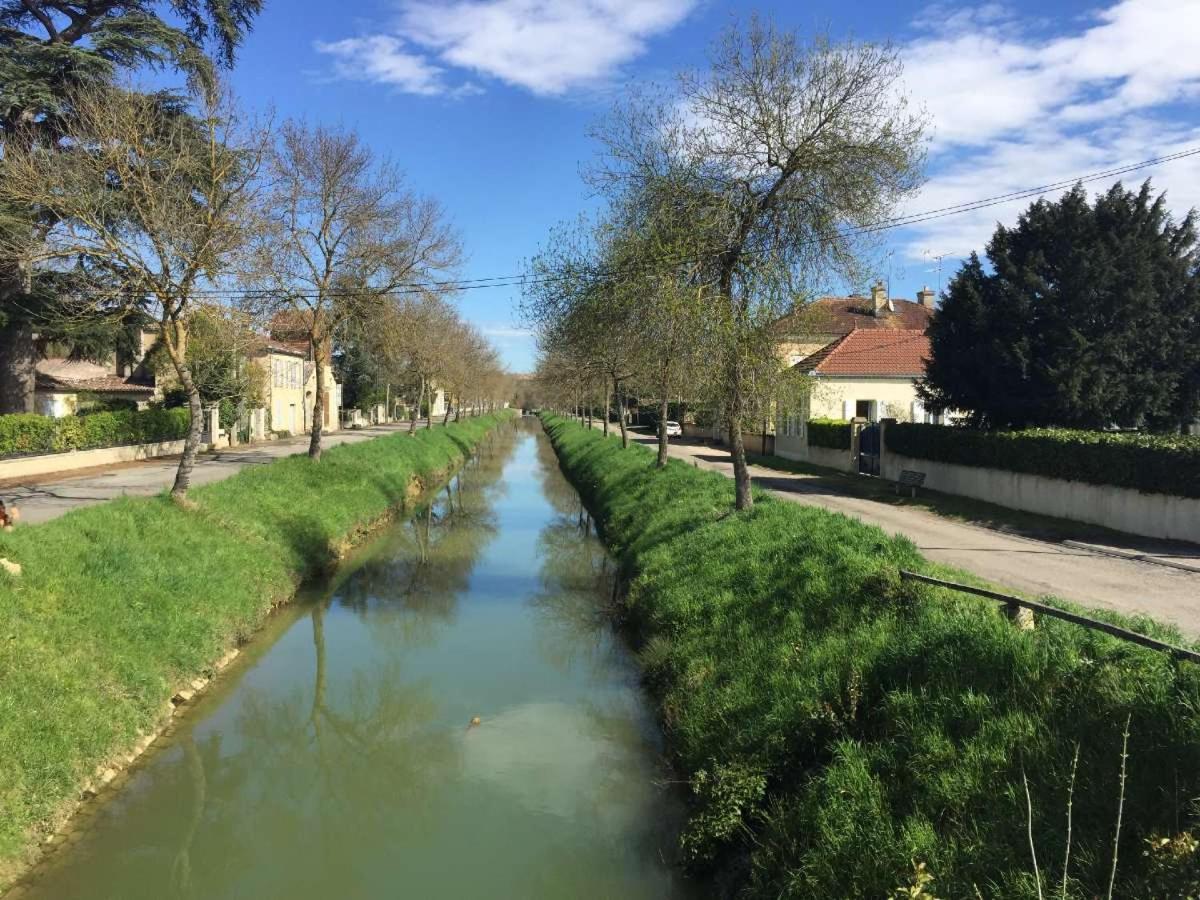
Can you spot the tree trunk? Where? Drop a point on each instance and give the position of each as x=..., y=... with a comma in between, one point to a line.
x=663, y=410
x=183, y=474
x=314, y=444
x=429, y=414
x=449, y=398
x=416, y=413
x=607, y=408
x=18, y=359
x=621, y=412
x=737, y=450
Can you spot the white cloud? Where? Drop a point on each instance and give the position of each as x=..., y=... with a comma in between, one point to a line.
x=505, y=332
x=1013, y=109
x=386, y=60
x=547, y=47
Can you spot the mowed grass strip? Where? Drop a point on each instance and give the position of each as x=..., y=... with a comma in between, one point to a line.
x=840, y=727
x=120, y=604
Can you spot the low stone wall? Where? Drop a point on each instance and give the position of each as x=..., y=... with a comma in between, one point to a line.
x=752, y=441
x=794, y=447
x=1122, y=509
x=27, y=466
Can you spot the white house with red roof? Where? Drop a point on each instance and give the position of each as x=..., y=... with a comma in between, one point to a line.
x=862, y=358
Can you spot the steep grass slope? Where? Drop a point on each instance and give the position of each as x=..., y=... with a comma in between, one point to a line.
x=841, y=728
x=121, y=604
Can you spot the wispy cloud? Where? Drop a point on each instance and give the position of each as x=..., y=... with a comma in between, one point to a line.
x=501, y=331
x=1013, y=107
x=548, y=47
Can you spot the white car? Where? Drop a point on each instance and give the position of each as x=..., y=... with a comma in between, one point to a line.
x=674, y=429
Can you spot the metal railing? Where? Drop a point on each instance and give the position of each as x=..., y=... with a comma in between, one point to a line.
x=1015, y=603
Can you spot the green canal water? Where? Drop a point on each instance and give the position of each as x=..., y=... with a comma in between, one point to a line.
x=336, y=759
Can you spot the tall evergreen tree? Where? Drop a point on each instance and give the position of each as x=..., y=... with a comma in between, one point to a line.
x=48, y=48
x=1088, y=317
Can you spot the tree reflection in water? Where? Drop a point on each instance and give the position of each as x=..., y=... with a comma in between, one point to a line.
x=338, y=763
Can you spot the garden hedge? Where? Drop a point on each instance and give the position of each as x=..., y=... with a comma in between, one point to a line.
x=27, y=434
x=1158, y=464
x=831, y=433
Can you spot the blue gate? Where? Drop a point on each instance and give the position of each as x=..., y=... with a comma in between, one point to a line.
x=868, y=450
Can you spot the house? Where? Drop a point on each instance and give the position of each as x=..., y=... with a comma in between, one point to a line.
x=861, y=358
x=63, y=386
x=292, y=386
x=818, y=324
x=866, y=374
x=285, y=366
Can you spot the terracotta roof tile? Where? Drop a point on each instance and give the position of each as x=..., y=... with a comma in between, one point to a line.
x=104, y=384
x=841, y=315
x=900, y=353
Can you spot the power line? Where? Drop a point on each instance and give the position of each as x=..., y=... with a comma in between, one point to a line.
x=509, y=281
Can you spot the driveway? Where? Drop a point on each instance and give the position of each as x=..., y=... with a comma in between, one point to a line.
x=1026, y=565
x=46, y=497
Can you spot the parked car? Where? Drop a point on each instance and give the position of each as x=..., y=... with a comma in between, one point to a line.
x=674, y=429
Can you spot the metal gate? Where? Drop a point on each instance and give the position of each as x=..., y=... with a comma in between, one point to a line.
x=868, y=450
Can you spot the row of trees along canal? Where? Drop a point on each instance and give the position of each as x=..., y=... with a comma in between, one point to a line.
x=728, y=194
x=126, y=209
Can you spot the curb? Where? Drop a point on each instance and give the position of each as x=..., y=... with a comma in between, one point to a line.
x=1132, y=556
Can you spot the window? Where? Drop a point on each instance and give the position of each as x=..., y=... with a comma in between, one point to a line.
x=862, y=409
x=286, y=373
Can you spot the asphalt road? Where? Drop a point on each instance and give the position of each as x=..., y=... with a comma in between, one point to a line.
x=1024, y=564
x=46, y=497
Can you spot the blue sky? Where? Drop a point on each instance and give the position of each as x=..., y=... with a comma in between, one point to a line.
x=486, y=103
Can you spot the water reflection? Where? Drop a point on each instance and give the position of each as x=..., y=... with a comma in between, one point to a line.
x=340, y=763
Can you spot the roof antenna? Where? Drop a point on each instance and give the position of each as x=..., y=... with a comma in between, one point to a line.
x=939, y=257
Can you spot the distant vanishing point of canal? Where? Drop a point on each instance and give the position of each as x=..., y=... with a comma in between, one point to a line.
x=336, y=759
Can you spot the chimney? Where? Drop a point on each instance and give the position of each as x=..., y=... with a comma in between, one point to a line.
x=879, y=299
x=926, y=296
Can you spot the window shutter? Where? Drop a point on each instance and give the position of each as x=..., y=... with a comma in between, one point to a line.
x=848, y=410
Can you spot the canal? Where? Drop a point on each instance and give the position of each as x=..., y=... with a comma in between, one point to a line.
x=337, y=757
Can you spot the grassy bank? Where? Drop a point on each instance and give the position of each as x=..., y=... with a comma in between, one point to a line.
x=121, y=604
x=840, y=728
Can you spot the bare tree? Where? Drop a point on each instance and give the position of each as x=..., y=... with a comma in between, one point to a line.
x=342, y=232
x=781, y=153
x=151, y=194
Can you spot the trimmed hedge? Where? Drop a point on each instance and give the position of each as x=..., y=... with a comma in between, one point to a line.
x=1156, y=464
x=831, y=433
x=27, y=434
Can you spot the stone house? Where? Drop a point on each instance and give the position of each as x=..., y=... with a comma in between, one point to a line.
x=62, y=384
x=292, y=387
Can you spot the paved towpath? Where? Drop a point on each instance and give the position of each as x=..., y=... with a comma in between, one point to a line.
x=1026, y=565
x=44, y=497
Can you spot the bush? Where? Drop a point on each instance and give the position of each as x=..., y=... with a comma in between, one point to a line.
x=1158, y=464
x=26, y=433
x=839, y=727
x=831, y=433
x=23, y=435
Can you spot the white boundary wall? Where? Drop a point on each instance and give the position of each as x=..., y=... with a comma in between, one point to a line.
x=1122, y=509
x=25, y=466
